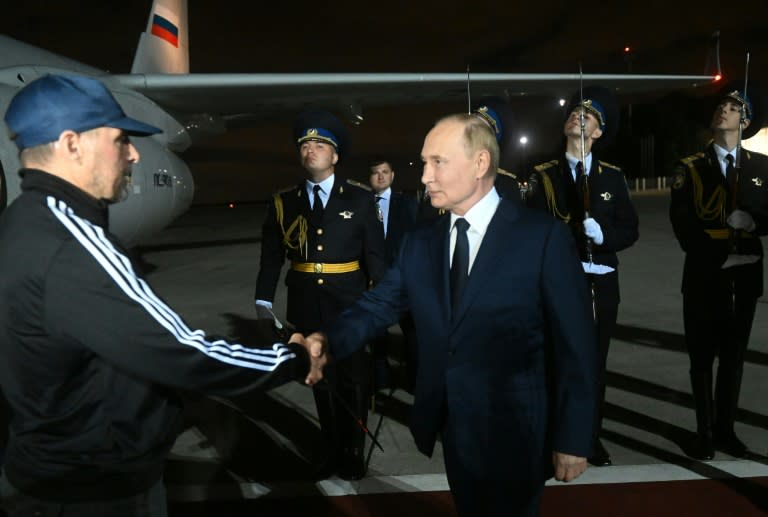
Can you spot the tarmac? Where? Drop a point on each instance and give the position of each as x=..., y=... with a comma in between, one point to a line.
x=205, y=265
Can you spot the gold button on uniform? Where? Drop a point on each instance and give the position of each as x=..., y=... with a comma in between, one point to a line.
x=319, y=231
x=320, y=281
x=319, y=247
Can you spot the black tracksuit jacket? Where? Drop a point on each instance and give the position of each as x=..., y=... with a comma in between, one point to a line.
x=91, y=356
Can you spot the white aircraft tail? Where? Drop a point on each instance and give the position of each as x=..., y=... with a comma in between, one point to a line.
x=164, y=46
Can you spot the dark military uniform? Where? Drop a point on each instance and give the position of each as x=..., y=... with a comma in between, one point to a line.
x=718, y=304
x=551, y=187
x=333, y=261
x=508, y=185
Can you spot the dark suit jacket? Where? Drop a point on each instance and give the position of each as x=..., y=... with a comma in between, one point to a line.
x=401, y=218
x=513, y=371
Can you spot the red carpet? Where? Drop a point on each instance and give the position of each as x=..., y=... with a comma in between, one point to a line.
x=732, y=497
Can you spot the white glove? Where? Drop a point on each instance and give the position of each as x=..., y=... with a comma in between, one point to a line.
x=741, y=220
x=593, y=231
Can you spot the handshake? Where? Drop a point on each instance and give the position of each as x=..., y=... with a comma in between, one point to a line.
x=316, y=344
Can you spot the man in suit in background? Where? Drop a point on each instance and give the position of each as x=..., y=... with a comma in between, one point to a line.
x=397, y=213
x=505, y=337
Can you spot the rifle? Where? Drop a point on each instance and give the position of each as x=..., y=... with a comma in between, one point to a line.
x=733, y=187
x=585, y=190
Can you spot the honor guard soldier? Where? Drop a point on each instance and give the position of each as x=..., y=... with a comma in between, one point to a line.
x=719, y=208
x=593, y=199
x=328, y=229
x=497, y=113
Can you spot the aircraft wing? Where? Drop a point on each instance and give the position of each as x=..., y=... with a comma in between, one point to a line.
x=223, y=94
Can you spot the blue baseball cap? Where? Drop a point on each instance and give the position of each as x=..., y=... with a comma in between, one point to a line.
x=47, y=106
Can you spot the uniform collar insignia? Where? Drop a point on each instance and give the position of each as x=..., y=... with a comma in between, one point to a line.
x=606, y=196
x=346, y=214
x=757, y=181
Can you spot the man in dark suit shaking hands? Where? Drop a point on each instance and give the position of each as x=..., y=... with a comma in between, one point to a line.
x=506, y=344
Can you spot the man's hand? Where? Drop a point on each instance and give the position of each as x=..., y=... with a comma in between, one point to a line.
x=593, y=231
x=317, y=347
x=567, y=467
x=741, y=220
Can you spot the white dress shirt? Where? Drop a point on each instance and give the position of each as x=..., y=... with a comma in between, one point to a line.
x=721, y=157
x=384, y=205
x=478, y=217
x=572, y=161
x=325, y=190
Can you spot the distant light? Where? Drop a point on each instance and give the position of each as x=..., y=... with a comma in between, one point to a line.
x=718, y=77
x=561, y=102
x=627, y=50
x=410, y=164
x=231, y=205
x=523, y=140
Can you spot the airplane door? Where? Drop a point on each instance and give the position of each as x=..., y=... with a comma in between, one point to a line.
x=3, y=189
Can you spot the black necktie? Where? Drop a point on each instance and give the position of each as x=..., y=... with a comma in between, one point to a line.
x=379, y=212
x=460, y=264
x=317, y=206
x=579, y=174
x=729, y=168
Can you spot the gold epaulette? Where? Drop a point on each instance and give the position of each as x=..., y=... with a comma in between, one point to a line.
x=295, y=236
x=692, y=158
x=506, y=173
x=286, y=189
x=609, y=165
x=547, y=165
x=358, y=184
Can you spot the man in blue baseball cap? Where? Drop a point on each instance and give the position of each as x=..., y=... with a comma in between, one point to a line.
x=719, y=211
x=591, y=196
x=91, y=357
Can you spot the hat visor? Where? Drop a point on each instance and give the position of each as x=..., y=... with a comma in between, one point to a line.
x=133, y=127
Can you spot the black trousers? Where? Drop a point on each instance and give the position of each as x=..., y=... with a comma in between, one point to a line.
x=350, y=379
x=606, y=288
x=151, y=503
x=717, y=324
x=487, y=496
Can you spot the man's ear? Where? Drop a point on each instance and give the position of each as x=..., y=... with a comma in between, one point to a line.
x=335, y=158
x=597, y=133
x=482, y=163
x=746, y=123
x=69, y=144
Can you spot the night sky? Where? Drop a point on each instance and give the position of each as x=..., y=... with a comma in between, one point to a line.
x=395, y=36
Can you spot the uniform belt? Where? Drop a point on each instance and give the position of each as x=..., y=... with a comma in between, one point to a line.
x=320, y=267
x=723, y=234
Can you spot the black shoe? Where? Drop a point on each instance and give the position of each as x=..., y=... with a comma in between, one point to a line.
x=382, y=378
x=729, y=443
x=352, y=465
x=328, y=468
x=600, y=458
x=701, y=448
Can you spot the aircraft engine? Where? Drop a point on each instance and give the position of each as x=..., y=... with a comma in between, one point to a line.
x=161, y=186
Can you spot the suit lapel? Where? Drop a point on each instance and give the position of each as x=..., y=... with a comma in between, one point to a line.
x=486, y=261
x=439, y=249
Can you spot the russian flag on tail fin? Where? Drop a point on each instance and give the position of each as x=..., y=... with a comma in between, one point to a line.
x=164, y=29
